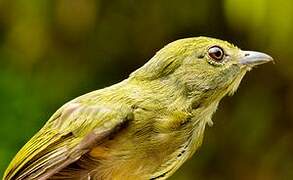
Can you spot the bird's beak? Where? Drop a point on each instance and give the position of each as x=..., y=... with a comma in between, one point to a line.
x=253, y=58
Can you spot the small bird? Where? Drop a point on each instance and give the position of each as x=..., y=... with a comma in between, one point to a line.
x=144, y=127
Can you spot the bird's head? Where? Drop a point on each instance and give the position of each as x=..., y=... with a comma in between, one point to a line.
x=201, y=65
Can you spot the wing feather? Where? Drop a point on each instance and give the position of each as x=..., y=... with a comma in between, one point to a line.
x=69, y=134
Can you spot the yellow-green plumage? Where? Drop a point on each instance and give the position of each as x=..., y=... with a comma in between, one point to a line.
x=144, y=127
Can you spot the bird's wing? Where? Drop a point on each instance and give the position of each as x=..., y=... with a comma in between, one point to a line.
x=71, y=132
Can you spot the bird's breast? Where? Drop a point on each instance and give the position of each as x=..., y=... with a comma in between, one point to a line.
x=152, y=148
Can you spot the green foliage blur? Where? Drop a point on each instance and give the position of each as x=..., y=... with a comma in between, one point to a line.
x=52, y=51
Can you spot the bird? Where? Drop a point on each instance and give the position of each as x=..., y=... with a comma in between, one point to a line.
x=144, y=127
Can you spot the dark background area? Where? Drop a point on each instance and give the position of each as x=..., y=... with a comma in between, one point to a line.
x=53, y=51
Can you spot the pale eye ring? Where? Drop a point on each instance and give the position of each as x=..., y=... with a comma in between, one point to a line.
x=216, y=53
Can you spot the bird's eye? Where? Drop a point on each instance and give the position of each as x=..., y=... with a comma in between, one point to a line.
x=216, y=53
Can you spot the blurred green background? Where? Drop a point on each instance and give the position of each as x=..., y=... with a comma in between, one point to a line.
x=52, y=51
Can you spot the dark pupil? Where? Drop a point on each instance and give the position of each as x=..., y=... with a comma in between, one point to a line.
x=218, y=53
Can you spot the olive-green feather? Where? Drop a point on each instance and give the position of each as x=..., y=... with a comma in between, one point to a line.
x=57, y=140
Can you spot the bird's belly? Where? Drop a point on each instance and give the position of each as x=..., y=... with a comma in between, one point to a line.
x=124, y=161
x=124, y=157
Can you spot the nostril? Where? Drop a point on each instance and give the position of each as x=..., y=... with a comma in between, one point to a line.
x=246, y=54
